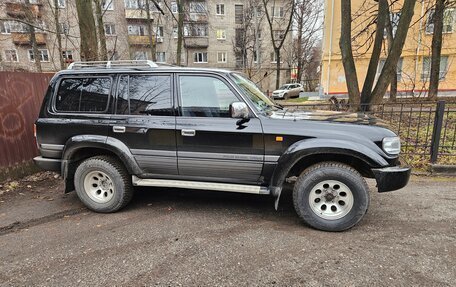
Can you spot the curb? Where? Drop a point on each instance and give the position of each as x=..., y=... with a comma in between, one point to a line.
x=439, y=169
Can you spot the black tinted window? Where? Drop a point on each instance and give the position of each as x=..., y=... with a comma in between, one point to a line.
x=83, y=95
x=205, y=97
x=145, y=94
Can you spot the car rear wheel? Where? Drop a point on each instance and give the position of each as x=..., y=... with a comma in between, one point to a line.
x=103, y=184
x=331, y=196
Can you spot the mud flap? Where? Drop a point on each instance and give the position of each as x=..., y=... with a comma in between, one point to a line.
x=277, y=192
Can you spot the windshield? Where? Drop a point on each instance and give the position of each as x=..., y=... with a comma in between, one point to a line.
x=260, y=100
x=284, y=87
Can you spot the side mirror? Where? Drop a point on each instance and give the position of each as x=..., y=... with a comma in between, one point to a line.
x=239, y=110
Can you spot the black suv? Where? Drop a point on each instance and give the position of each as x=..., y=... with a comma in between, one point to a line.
x=107, y=127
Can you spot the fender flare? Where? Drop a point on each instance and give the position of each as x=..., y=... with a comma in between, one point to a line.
x=297, y=151
x=102, y=142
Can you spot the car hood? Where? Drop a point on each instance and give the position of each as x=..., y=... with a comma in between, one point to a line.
x=279, y=91
x=328, y=116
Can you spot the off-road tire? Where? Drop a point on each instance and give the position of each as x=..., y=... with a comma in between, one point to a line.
x=317, y=174
x=116, y=172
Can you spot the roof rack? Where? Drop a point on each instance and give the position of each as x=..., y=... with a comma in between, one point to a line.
x=112, y=64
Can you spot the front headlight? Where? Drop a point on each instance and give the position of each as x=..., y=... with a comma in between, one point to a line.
x=392, y=145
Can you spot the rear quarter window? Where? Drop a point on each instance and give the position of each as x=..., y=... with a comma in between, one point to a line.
x=83, y=95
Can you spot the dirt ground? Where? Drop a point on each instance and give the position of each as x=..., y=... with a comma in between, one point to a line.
x=171, y=237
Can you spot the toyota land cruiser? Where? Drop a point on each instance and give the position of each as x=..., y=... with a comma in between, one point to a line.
x=110, y=126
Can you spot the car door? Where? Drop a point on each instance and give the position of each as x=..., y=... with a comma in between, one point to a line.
x=210, y=145
x=145, y=121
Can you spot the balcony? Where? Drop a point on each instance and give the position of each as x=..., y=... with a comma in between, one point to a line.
x=137, y=14
x=139, y=40
x=196, y=17
x=19, y=10
x=24, y=38
x=196, y=42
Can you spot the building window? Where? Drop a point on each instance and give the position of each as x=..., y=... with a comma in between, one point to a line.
x=200, y=57
x=140, y=55
x=110, y=29
x=61, y=3
x=394, y=19
x=174, y=8
x=5, y=27
x=133, y=4
x=44, y=55
x=11, y=56
x=159, y=31
x=274, y=58
x=221, y=57
x=195, y=30
x=197, y=7
x=67, y=56
x=220, y=9
x=448, y=21
x=239, y=37
x=175, y=32
x=161, y=57
x=381, y=64
x=427, y=68
x=238, y=14
x=255, y=56
x=137, y=30
x=277, y=12
x=107, y=4
x=64, y=28
x=221, y=34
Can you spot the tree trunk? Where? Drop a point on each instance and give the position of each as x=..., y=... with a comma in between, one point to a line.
x=277, y=52
x=180, y=32
x=376, y=50
x=396, y=49
x=89, y=42
x=347, y=53
x=31, y=29
x=150, y=31
x=58, y=34
x=101, y=31
x=390, y=39
x=436, y=49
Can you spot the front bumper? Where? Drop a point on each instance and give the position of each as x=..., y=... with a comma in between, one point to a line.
x=391, y=178
x=51, y=164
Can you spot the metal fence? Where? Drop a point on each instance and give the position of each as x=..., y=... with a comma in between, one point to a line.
x=21, y=95
x=427, y=130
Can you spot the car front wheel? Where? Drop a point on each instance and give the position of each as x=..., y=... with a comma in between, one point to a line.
x=103, y=184
x=331, y=196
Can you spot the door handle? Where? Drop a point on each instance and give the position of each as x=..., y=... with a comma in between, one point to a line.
x=118, y=129
x=188, y=133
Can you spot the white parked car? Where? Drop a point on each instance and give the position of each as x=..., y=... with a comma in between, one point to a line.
x=288, y=91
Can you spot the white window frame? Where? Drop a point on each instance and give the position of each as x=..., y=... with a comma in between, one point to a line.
x=426, y=69
x=221, y=33
x=65, y=55
x=220, y=9
x=174, y=8
x=64, y=28
x=429, y=28
x=41, y=51
x=111, y=26
x=7, y=59
x=381, y=64
x=197, y=7
x=5, y=30
x=161, y=60
x=281, y=11
x=61, y=4
x=137, y=30
x=198, y=58
x=222, y=57
x=273, y=58
x=143, y=55
x=175, y=30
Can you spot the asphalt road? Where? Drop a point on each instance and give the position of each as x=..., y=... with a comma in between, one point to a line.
x=196, y=238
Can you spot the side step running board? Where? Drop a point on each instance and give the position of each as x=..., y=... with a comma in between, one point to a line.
x=254, y=189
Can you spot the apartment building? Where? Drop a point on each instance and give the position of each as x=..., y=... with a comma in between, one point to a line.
x=222, y=34
x=413, y=68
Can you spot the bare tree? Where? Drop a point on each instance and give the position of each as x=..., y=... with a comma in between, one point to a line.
x=87, y=27
x=278, y=40
x=347, y=52
x=436, y=49
x=308, y=27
